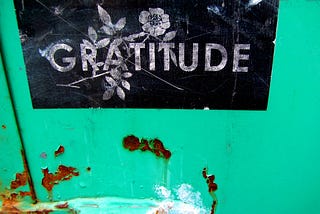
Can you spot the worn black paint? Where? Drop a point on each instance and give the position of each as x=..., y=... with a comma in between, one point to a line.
x=216, y=90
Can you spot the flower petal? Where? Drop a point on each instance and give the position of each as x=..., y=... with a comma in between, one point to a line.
x=152, y=31
x=159, y=31
x=165, y=25
x=143, y=17
x=156, y=11
x=165, y=17
x=146, y=27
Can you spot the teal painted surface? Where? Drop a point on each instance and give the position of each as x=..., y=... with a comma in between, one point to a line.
x=11, y=161
x=264, y=162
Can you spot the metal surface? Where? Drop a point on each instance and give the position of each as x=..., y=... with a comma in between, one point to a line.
x=263, y=162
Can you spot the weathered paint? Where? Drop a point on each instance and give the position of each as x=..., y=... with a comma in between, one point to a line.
x=252, y=152
x=155, y=146
x=212, y=187
x=59, y=151
x=63, y=173
x=16, y=183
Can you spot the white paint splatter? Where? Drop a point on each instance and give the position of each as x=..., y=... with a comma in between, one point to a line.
x=162, y=192
x=184, y=201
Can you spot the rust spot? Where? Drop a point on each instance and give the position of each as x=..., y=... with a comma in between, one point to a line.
x=21, y=180
x=59, y=151
x=63, y=173
x=212, y=187
x=4, y=126
x=155, y=146
x=23, y=194
x=45, y=211
x=62, y=206
x=88, y=169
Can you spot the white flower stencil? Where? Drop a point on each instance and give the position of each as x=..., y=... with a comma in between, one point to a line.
x=154, y=21
x=110, y=36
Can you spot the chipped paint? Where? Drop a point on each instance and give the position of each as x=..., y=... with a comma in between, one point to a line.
x=63, y=173
x=155, y=146
x=4, y=126
x=21, y=180
x=59, y=151
x=212, y=187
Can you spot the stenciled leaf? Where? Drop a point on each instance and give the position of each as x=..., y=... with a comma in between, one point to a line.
x=108, y=94
x=107, y=30
x=173, y=58
x=127, y=75
x=125, y=84
x=111, y=81
x=99, y=64
x=116, y=42
x=120, y=24
x=121, y=93
x=92, y=34
x=88, y=44
x=104, y=16
x=169, y=36
x=103, y=43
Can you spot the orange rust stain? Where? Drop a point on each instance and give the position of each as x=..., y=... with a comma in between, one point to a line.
x=62, y=206
x=23, y=194
x=63, y=173
x=45, y=211
x=21, y=180
x=155, y=146
x=212, y=187
x=59, y=151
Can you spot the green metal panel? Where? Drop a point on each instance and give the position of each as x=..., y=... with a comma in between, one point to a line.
x=14, y=177
x=264, y=162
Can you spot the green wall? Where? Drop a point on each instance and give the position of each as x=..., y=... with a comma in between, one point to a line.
x=264, y=161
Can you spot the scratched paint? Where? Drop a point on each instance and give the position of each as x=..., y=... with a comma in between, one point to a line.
x=155, y=146
x=63, y=173
x=147, y=54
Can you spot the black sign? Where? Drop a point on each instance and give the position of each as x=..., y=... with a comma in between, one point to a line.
x=202, y=54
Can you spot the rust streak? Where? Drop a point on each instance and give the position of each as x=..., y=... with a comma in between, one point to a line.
x=63, y=173
x=212, y=187
x=59, y=151
x=26, y=167
x=155, y=146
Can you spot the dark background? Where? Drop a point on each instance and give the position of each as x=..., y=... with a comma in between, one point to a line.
x=226, y=23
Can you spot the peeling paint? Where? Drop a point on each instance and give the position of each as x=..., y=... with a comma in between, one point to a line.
x=21, y=180
x=63, y=173
x=212, y=187
x=59, y=151
x=155, y=146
